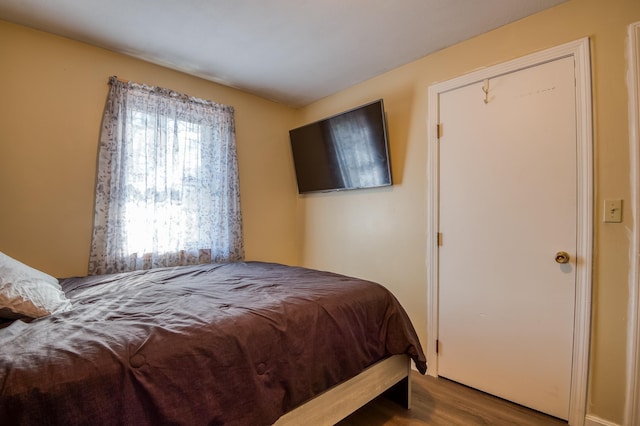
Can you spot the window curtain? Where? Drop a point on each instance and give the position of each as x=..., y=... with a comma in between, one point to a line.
x=167, y=189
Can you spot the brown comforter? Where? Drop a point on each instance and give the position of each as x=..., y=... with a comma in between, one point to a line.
x=232, y=344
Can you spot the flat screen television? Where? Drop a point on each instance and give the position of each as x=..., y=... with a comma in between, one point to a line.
x=345, y=151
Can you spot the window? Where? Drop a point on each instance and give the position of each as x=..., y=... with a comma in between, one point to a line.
x=167, y=189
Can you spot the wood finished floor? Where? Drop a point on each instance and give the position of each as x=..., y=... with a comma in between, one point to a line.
x=441, y=402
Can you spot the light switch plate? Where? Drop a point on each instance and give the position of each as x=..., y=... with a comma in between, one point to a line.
x=612, y=211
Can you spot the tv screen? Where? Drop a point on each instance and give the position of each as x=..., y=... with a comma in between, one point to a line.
x=346, y=151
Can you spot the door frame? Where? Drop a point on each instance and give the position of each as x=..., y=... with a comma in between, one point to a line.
x=632, y=403
x=579, y=50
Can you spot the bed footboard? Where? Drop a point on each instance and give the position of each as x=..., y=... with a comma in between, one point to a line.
x=328, y=408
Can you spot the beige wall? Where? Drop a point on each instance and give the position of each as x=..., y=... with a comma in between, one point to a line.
x=53, y=92
x=380, y=234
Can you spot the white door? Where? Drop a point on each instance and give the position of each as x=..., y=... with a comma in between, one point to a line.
x=507, y=207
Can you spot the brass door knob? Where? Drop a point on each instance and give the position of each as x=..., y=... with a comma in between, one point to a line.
x=562, y=257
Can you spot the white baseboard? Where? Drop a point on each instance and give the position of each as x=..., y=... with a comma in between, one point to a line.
x=590, y=420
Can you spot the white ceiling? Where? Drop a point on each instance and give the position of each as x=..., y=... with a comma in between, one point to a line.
x=291, y=51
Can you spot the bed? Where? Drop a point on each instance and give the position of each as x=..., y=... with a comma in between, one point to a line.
x=246, y=343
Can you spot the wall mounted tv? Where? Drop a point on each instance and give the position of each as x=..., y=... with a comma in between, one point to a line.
x=346, y=151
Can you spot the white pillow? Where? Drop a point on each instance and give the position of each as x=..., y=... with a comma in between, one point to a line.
x=27, y=292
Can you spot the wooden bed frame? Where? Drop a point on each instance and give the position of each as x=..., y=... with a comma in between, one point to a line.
x=390, y=375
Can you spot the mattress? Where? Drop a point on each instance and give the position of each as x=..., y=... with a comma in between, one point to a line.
x=234, y=344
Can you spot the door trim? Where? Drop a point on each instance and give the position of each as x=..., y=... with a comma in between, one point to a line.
x=579, y=50
x=632, y=403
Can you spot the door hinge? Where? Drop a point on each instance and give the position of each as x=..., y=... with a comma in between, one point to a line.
x=437, y=346
x=439, y=238
x=439, y=130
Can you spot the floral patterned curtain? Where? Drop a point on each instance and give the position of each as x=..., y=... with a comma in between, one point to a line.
x=167, y=189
